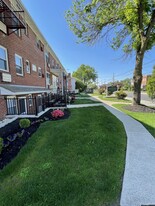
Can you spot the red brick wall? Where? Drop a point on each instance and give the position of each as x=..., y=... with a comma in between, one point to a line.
x=24, y=46
x=3, y=110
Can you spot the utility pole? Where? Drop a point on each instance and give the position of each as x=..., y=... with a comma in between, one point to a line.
x=113, y=79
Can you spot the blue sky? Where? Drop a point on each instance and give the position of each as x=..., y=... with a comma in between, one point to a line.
x=49, y=17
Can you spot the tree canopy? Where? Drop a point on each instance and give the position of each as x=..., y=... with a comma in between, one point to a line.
x=86, y=74
x=150, y=88
x=130, y=23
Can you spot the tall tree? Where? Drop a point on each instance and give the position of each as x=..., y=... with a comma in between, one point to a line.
x=150, y=88
x=132, y=21
x=86, y=74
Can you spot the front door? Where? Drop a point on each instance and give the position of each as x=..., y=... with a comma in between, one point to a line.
x=22, y=105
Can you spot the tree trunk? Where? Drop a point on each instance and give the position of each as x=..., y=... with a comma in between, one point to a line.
x=137, y=78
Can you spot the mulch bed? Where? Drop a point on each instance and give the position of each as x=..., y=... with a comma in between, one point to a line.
x=14, y=137
x=139, y=108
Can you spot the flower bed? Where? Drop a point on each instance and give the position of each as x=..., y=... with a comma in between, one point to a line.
x=15, y=137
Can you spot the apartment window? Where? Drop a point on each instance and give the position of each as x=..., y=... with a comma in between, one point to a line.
x=3, y=59
x=52, y=62
x=26, y=30
x=19, y=65
x=34, y=68
x=38, y=43
x=57, y=66
x=48, y=78
x=41, y=46
x=27, y=66
x=39, y=72
x=46, y=57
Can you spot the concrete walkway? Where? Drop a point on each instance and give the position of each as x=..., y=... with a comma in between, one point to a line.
x=139, y=176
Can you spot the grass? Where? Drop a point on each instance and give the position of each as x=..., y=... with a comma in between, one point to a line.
x=73, y=162
x=111, y=98
x=147, y=119
x=82, y=95
x=85, y=101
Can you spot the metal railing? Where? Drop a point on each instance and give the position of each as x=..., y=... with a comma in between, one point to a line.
x=33, y=105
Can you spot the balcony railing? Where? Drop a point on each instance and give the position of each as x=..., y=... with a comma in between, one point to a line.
x=9, y=17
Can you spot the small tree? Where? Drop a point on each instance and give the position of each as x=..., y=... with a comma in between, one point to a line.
x=150, y=88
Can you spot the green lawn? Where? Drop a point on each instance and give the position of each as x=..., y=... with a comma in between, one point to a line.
x=74, y=162
x=85, y=101
x=110, y=98
x=113, y=99
x=82, y=95
x=147, y=119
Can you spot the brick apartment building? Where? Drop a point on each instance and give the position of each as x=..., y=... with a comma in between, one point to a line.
x=30, y=71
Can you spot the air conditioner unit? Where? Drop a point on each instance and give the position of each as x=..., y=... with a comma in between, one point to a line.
x=6, y=77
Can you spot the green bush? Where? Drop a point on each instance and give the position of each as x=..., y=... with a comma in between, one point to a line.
x=101, y=90
x=109, y=93
x=120, y=94
x=80, y=85
x=24, y=123
x=1, y=144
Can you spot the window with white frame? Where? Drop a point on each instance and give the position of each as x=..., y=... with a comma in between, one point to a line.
x=34, y=68
x=39, y=72
x=54, y=81
x=28, y=66
x=3, y=59
x=47, y=58
x=26, y=30
x=19, y=64
x=48, y=78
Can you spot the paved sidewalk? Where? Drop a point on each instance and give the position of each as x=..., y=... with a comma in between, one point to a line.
x=84, y=105
x=139, y=176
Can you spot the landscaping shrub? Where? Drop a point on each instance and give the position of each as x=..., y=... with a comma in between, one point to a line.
x=24, y=123
x=102, y=89
x=57, y=113
x=120, y=94
x=1, y=144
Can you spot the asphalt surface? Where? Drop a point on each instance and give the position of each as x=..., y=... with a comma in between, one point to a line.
x=144, y=96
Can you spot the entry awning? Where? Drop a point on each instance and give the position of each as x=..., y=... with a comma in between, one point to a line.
x=9, y=18
x=7, y=90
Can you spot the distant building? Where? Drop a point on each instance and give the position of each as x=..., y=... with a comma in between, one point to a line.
x=144, y=81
